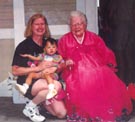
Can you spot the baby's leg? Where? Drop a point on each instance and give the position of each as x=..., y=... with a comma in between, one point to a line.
x=33, y=75
x=52, y=91
x=49, y=78
x=23, y=88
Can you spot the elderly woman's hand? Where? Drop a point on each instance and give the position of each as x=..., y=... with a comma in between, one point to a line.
x=69, y=63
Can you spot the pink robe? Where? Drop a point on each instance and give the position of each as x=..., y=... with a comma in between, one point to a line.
x=93, y=89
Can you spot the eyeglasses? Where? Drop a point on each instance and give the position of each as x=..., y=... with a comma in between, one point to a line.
x=77, y=24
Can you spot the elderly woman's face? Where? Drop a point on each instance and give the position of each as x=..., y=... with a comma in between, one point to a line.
x=77, y=26
x=38, y=27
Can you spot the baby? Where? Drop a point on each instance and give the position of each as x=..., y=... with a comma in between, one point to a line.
x=50, y=54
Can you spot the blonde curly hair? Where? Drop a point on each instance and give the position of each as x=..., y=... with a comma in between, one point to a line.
x=28, y=30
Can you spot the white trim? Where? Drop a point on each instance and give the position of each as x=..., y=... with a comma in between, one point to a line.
x=19, y=20
x=98, y=3
x=58, y=29
x=81, y=5
x=89, y=7
x=7, y=33
x=91, y=13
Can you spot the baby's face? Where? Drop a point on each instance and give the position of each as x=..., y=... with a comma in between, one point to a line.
x=50, y=49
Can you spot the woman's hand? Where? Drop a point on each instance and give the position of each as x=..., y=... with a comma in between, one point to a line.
x=113, y=68
x=69, y=64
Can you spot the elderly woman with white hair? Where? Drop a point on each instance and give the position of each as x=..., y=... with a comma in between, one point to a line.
x=94, y=92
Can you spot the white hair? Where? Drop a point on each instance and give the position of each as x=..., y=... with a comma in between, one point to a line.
x=78, y=14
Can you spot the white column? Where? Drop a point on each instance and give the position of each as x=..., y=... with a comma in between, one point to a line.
x=19, y=21
x=89, y=7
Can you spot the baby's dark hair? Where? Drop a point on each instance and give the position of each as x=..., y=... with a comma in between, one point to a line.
x=51, y=40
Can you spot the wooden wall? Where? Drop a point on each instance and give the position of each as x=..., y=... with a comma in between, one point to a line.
x=6, y=13
x=56, y=11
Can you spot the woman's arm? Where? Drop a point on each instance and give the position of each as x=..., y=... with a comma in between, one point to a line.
x=19, y=71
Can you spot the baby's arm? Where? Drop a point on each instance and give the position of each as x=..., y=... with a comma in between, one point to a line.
x=34, y=58
x=57, y=59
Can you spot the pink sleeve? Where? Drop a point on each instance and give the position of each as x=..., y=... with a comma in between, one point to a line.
x=61, y=47
x=107, y=54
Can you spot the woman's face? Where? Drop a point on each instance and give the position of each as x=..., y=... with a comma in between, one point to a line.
x=38, y=27
x=77, y=26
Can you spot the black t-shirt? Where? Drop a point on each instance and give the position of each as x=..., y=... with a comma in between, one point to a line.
x=28, y=46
